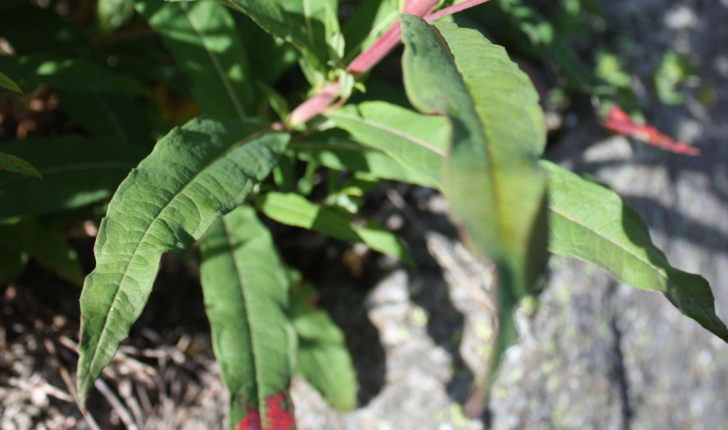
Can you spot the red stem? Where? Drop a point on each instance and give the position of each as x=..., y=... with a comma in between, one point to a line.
x=365, y=61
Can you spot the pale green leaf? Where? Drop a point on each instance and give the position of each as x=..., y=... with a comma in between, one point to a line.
x=112, y=14
x=76, y=171
x=293, y=209
x=335, y=150
x=323, y=358
x=491, y=178
x=246, y=300
x=592, y=223
x=205, y=43
x=8, y=84
x=194, y=175
x=416, y=141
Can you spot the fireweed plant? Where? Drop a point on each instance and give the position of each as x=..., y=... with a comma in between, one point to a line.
x=476, y=134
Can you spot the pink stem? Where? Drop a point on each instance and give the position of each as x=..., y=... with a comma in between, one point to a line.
x=467, y=4
x=365, y=61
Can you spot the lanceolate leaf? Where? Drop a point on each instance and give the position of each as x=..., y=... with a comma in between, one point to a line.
x=491, y=177
x=206, y=45
x=323, y=358
x=335, y=150
x=67, y=74
x=592, y=223
x=369, y=21
x=8, y=83
x=11, y=163
x=416, y=141
x=76, y=171
x=109, y=116
x=194, y=175
x=246, y=300
x=299, y=22
x=293, y=209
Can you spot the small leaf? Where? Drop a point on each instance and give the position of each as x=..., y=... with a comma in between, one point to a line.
x=8, y=84
x=206, y=45
x=76, y=171
x=68, y=74
x=293, y=209
x=491, y=178
x=323, y=358
x=592, y=223
x=11, y=163
x=113, y=14
x=194, y=175
x=246, y=300
x=416, y=141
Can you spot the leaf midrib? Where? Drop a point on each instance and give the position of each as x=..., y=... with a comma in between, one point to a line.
x=639, y=258
x=144, y=235
x=390, y=130
x=215, y=62
x=243, y=296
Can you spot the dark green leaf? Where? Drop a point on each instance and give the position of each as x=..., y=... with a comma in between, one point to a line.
x=295, y=210
x=76, y=171
x=592, y=223
x=205, y=43
x=246, y=299
x=369, y=21
x=67, y=74
x=194, y=175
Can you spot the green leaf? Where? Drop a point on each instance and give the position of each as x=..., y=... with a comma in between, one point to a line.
x=113, y=14
x=341, y=153
x=194, y=175
x=293, y=209
x=246, y=300
x=76, y=171
x=206, y=45
x=416, y=141
x=298, y=22
x=592, y=223
x=8, y=83
x=369, y=21
x=495, y=189
x=109, y=116
x=323, y=358
x=67, y=74
x=271, y=56
x=12, y=257
x=11, y=163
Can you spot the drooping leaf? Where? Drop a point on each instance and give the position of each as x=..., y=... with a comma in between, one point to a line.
x=298, y=22
x=416, y=141
x=194, y=175
x=8, y=83
x=109, y=116
x=76, y=171
x=323, y=358
x=205, y=43
x=246, y=300
x=335, y=150
x=491, y=178
x=592, y=223
x=293, y=209
x=112, y=14
x=67, y=74
x=11, y=163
